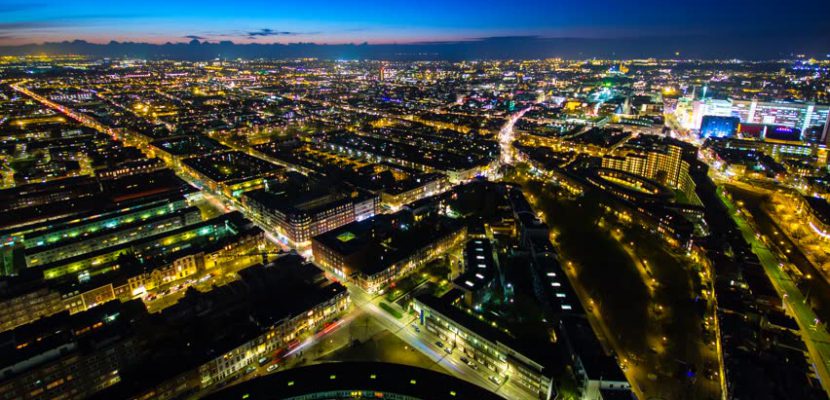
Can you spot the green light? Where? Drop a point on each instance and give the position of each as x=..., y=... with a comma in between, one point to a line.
x=346, y=236
x=332, y=377
x=290, y=383
x=412, y=382
x=246, y=395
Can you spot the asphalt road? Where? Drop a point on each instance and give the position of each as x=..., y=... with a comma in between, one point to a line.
x=815, y=335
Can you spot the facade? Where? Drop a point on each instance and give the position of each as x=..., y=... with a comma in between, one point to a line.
x=487, y=345
x=300, y=219
x=93, y=241
x=663, y=165
x=719, y=126
x=825, y=134
x=231, y=172
x=130, y=168
x=796, y=115
x=146, y=249
x=205, y=339
x=376, y=252
x=423, y=186
x=16, y=310
x=68, y=357
x=817, y=211
x=20, y=305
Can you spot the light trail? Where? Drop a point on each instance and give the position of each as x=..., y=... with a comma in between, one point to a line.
x=506, y=137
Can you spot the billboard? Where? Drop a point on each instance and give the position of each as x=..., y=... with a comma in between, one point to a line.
x=718, y=126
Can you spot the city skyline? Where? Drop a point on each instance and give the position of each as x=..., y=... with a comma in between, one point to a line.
x=700, y=29
x=433, y=200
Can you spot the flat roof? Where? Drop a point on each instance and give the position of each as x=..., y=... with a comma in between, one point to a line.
x=369, y=379
x=186, y=145
x=231, y=166
x=543, y=354
x=378, y=242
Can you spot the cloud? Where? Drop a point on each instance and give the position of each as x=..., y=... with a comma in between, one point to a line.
x=265, y=32
x=13, y=26
x=194, y=37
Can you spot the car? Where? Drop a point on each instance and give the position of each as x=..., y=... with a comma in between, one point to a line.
x=493, y=379
x=250, y=368
x=263, y=361
x=418, y=330
x=448, y=350
x=272, y=367
x=465, y=360
x=439, y=344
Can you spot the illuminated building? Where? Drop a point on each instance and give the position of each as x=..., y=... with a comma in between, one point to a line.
x=481, y=270
x=300, y=214
x=203, y=340
x=825, y=135
x=231, y=173
x=69, y=357
x=378, y=251
x=130, y=168
x=26, y=298
x=175, y=149
x=106, y=259
x=796, y=115
x=662, y=163
x=486, y=344
x=93, y=241
x=715, y=107
x=818, y=214
x=719, y=126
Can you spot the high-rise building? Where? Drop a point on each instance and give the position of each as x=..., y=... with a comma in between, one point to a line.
x=789, y=114
x=716, y=126
x=825, y=136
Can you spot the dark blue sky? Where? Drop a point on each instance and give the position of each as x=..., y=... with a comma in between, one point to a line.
x=393, y=21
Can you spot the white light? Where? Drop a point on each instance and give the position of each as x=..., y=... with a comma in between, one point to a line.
x=560, y=295
x=819, y=231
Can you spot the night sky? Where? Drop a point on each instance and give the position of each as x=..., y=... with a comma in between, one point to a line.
x=392, y=21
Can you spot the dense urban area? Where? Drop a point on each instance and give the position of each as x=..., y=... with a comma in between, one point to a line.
x=549, y=229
